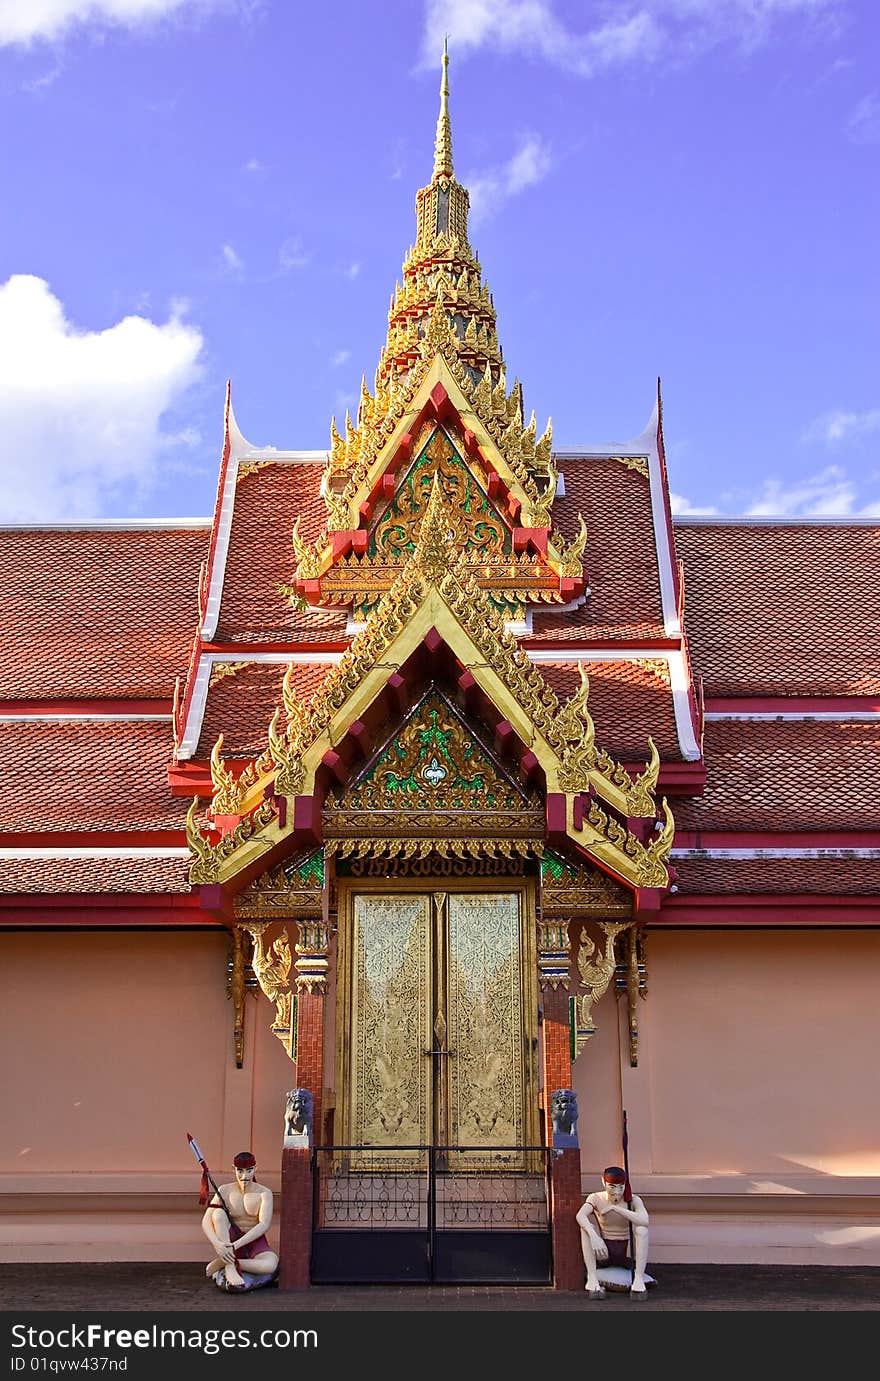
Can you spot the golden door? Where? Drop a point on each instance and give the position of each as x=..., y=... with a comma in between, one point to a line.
x=437, y=1021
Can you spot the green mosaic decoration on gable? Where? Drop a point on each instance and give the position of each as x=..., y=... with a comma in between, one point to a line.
x=433, y=763
x=306, y=872
x=477, y=527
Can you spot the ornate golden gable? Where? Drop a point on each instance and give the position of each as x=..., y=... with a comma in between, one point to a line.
x=435, y=592
x=441, y=363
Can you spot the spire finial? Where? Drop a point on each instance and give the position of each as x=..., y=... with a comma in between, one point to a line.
x=443, y=144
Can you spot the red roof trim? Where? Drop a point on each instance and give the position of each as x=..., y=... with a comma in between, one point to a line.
x=96, y=708
x=767, y=911
x=94, y=839
x=90, y=911
x=793, y=704
x=791, y=839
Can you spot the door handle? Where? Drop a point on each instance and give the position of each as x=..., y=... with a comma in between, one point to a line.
x=439, y=1052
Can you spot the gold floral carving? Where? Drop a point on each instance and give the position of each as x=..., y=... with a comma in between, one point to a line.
x=579, y=734
x=637, y=463
x=596, y=968
x=220, y=670
x=272, y=969
x=236, y=991
x=227, y=796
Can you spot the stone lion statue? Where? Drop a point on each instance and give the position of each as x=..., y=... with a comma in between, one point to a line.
x=564, y=1116
x=298, y=1118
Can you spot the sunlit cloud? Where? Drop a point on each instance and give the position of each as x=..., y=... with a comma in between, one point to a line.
x=683, y=507
x=341, y=357
x=863, y=124
x=636, y=31
x=840, y=426
x=231, y=260
x=82, y=411
x=291, y=255
x=31, y=21
x=491, y=189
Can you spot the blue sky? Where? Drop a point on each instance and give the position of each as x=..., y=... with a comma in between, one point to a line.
x=196, y=190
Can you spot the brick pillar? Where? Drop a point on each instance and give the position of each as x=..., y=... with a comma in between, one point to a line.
x=295, y=1241
x=565, y=1164
x=296, y=1176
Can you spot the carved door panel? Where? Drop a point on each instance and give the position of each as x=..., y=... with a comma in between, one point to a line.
x=439, y=1020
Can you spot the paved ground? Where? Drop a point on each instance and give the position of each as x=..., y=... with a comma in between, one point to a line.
x=135, y=1288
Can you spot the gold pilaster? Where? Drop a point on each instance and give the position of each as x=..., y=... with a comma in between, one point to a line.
x=312, y=948
x=553, y=953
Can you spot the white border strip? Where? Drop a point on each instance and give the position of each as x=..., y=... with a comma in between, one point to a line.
x=844, y=716
x=84, y=718
x=743, y=520
x=74, y=853
x=110, y=525
x=720, y=853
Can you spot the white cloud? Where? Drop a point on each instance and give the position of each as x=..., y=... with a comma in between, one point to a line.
x=829, y=493
x=491, y=189
x=682, y=506
x=291, y=255
x=863, y=125
x=341, y=357
x=29, y=21
x=232, y=261
x=81, y=411
x=637, y=29
x=840, y=426
x=353, y=270
x=254, y=165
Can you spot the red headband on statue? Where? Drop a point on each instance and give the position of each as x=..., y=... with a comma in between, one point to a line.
x=244, y=1161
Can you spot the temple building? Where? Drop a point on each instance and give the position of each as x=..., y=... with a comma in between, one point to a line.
x=438, y=772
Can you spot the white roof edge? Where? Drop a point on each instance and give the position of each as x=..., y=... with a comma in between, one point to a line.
x=646, y=444
x=121, y=524
x=602, y=452
x=743, y=520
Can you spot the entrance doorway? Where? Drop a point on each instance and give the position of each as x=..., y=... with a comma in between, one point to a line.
x=436, y=1158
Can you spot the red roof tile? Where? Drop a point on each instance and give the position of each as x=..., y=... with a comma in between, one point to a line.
x=253, y=607
x=241, y=704
x=97, y=612
x=78, y=875
x=620, y=557
x=787, y=775
x=86, y=775
x=628, y=701
x=782, y=610
x=822, y=876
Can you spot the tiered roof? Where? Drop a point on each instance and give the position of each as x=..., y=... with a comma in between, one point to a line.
x=302, y=569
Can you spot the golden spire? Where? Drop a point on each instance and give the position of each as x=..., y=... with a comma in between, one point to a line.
x=443, y=143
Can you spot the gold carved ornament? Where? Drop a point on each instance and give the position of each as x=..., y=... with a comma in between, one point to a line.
x=271, y=968
x=596, y=968
x=553, y=953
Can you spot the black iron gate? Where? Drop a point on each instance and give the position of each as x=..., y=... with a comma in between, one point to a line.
x=439, y=1214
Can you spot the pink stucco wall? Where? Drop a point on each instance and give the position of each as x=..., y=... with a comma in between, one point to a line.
x=753, y=1112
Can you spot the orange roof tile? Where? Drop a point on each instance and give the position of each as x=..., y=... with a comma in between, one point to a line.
x=771, y=775
x=628, y=701
x=253, y=608
x=101, y=612
x=772, y=609
x=77, y=875
x=620, y=558
x=241, y=704
x=822, y=876
x=87, y=775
